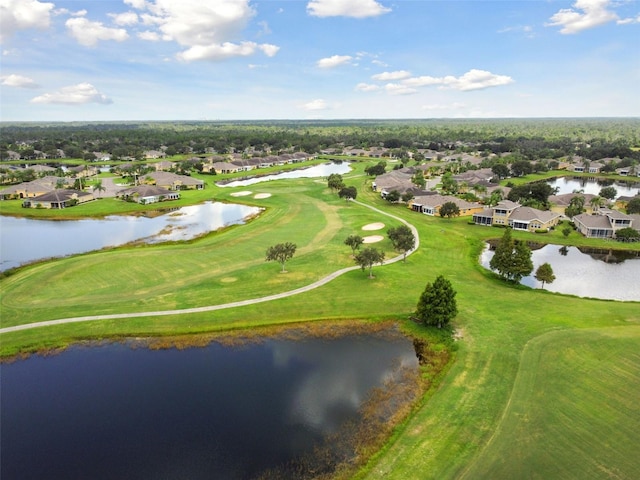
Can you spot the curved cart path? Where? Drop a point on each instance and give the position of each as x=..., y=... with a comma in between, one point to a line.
x=210, y=308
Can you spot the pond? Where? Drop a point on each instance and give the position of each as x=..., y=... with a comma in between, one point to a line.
x=323, y=170
x=593, y=186
x=213, y=412
x=595, y=273
x=26, y=240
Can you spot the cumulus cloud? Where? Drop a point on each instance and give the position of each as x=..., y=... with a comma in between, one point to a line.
x=334, y=61
x=125, y=19
x=472, y=80
x=208, y=30
x=585, y=14
x=399, y=89
x=18, y=15
x=390, y=76
x=367, y=87
x=313, y=105
x=342, y=8
x=18, y=81
x=451, y=106
x=79, y=94
x=149, y=36
x=88, y=33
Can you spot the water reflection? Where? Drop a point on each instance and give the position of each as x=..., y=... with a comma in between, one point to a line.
x=593, y=186
x=214, y=412
x=26, y=240
x=605, y=274
x=323, y=170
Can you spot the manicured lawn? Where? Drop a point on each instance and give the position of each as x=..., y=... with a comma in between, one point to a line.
x=469, y=422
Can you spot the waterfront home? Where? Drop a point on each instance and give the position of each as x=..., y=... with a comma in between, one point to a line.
x=431, y=204
x=34, y=188
x=59, y=198
x=145, y=194
x=518, y=217
x=603, y=224
x=172, y=181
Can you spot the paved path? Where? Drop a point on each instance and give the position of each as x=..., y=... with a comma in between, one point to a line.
x=210, y=308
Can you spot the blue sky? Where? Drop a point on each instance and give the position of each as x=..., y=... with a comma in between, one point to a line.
x=108, y=60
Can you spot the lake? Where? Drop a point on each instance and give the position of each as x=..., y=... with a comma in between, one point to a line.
x=214, y=412
x=593, y=187
x=323, y=170
x=594, y=273
x=25, y=240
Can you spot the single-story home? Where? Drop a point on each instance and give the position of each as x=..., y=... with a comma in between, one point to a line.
x=60, y=198
x=430, y=204
x=172, y=181
x=518, y=217
x=145, y=194
x=603, y=224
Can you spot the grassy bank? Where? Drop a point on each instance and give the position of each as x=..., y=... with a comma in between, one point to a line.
x=463, y=428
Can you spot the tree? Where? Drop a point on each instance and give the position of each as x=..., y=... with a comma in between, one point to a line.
x=281, y=252
x=596, y=202
x=576, y=206
x=544, y=274
x=407, y=197
x=335, y=181
x=377, y=169
x=437, y=304
x=449, y=209
x=350, y=193
x=393, y=196
x=418, y=179
x=354, y=241
x=449, y=184
x=520, y=168
x=628, y=234
x=633, y=206
x=511, y=260
x=368, y=257
x=98, y=186
x=500, y=170
x=403, y=239
x=608, y=192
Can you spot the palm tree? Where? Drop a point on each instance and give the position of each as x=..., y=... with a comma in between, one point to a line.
x=596, y=202
x=98, y=187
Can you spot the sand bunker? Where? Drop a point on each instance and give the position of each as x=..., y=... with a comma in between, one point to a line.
x=372, y=239
x=373, y=226
x=241, y=194
x=262, y=195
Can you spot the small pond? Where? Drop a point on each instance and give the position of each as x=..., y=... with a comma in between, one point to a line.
x=593, y=186
x=323, y=170
x=595, y=273
x=26, y=240
x=215, y=412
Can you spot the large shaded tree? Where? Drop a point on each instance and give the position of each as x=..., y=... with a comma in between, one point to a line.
x=512, y=260
x=334, y=182
x=403, y=239
x=368, y=257
x=354, y=241
x=449, y=209
x=437, y=304
x=281, y=252
x=348, y=193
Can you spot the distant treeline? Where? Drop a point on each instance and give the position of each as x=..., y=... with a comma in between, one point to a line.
x=591, y=138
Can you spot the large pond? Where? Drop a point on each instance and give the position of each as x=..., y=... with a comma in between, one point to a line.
x=593, y=186
x=25, y=240
x=214, y=412
x=595, y=273
x=323, y=170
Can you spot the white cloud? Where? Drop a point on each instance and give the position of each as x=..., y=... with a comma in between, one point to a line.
x=367, y=87
x=88, y=33
x=587, y=14
x=399, y=89
x=225, y=50
x=334, y=61
x=80, y=94
x=628, y=21
x=452, y=106
x=472, y=80
x=125, y=19
x=149, y=36
x=18, y=15
x=387, y=76
x=208, y=30
x=342, y=8
x=18, y=81
x=313, y=105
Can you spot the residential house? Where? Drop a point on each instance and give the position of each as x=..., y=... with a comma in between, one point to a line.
x=163, y=166
x=399, y=180
x=430, y=204
x=518, y=217
x=223, y=167
x=559, y=203
x=603, y=224
x=59, y=198
x=34, y=188
x=146, y=194
x=172, y=181
x=154, y=154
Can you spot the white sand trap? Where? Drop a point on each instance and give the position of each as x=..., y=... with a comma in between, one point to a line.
x=262, y=195
x=372, y=239
x=244, y=193
x=373, y=226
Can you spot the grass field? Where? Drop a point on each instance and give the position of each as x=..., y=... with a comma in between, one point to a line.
x=522, y=350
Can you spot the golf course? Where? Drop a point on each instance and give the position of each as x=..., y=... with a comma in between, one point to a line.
x=540, y=385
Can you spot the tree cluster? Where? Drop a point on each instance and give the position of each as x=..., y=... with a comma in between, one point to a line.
x=512, y=260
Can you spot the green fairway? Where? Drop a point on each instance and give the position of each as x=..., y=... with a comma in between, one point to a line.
x=561, y=359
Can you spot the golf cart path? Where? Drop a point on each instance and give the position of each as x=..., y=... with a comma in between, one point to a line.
x=210, y=308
